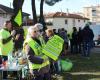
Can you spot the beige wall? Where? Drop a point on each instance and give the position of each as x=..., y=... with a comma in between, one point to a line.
x=93, y=16
x=60, y=23
x=87, y=13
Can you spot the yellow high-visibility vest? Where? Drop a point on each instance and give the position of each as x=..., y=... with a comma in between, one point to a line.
x=25, y=32
x=18, y=18
x=38, y=52
x=53, y=47
x=5, y=49
x=70, y=34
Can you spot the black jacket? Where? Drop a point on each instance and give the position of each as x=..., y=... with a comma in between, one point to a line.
x=87, y=34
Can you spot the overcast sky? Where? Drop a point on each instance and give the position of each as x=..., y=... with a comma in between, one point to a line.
x=71, y=5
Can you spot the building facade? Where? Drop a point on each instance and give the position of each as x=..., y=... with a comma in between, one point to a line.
x=63, y=20
x=93, y=13
x=6, y=13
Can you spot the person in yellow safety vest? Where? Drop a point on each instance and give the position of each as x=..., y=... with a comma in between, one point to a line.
x=53, y=46
x=6, y=42
x=40, y=28
x=25, y=32
x=38, y=62
x=53, y=49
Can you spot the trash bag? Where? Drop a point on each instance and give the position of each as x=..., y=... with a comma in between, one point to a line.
x=66, y=65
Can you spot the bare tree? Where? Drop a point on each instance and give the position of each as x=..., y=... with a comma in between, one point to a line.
x=34, y=12
x=50, y=3
x=41, y=18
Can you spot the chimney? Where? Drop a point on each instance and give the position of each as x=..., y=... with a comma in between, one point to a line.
x=67, y=11
x=10, y=4
x=61, y=13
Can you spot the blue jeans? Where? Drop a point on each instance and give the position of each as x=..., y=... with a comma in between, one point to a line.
x=54, y=69
x=86, y=48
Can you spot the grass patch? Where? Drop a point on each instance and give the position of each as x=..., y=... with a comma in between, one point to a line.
x=83, y=68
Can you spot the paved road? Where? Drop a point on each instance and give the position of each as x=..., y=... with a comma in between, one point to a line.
x=96, y=50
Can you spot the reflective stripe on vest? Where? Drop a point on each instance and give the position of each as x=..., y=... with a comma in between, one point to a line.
x=39, y=66
x=38, y=52
x=53, y=47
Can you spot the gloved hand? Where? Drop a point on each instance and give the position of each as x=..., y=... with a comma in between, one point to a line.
x=13, y=33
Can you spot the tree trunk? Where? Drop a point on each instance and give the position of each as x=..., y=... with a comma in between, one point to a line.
x=41, y=19
x=34, y=12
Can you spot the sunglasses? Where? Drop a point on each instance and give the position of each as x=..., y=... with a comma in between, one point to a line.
x=38, y=31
